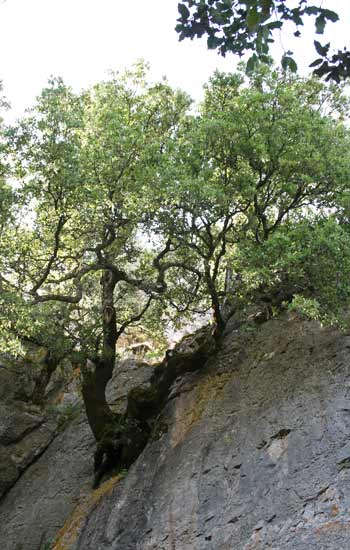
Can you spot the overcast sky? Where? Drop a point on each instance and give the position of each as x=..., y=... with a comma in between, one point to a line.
x=81, y=40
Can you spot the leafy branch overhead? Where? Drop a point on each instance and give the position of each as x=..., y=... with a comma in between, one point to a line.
x=250, y=26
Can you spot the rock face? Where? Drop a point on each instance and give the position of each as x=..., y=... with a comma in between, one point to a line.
x=251, y=452
x=24, y=432
x=46, y=468
x=36, y=507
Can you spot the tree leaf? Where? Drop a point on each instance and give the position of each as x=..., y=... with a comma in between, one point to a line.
x=322, y=70
x=316, y=62
x=218, y=17
x=293, y=65
x=275, y=25
x=253, y=18
x=288, y=62
x=266, y=7
x=320, y=24
x=331, y=15
x=183, y=11
x=312, y=10
x=321, y=50
x=251, y=63
x=213, y=42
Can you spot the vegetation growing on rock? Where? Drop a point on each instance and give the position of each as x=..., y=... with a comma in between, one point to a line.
x=121, y=206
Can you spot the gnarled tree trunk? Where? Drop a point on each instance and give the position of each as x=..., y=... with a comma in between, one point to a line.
x=98, y=371
x=215, y=304
x=42, y=380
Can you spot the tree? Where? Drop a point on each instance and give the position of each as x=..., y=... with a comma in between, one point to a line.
x=305, y=265
x=6, y=194
x=131, y=208
x=7, y=203
x=259, y=151
x=79, y=274
x=235, y=26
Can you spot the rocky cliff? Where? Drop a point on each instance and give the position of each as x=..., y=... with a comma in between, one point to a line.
x=251, y=451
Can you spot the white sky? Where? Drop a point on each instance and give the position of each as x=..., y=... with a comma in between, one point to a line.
x=81, y=40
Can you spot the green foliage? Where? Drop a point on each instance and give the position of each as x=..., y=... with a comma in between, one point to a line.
x=259, y=152
x=307, y=306
x=67, y=412
x=306, y=261
x=48, y=544
x=123, y=473
x=239, y=27
x=245, y=200
x=84, y=165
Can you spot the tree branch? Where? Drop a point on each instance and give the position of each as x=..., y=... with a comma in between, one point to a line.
x=61, y=221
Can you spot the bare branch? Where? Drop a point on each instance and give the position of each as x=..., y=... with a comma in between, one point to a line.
x=61, y=221
x=135, y=318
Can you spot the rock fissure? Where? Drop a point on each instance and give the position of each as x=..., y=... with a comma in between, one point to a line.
x=21, y=471
x=127, y=436
x=20, y=437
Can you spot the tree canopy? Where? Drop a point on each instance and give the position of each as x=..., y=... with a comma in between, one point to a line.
x=250, y=26
x=123, y=206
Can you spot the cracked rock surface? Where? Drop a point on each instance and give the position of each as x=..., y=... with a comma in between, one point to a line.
x=46, y=469
x=37, y=505
x=24, y=432
x=43, y=469
x=250, y=452
x=253, y=452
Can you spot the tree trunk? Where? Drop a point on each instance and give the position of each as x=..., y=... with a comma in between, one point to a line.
x=43, y=379
x=226, y=303
x=215, y=304
x=96, y=375
x=97, y=372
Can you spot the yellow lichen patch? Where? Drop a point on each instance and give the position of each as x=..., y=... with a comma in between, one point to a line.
x=190, y=406
x=209, y=390
x=70, y=531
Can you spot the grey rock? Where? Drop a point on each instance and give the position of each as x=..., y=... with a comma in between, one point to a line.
x=8, y=470
x=26, y=451
x=45, y=474
x=36, y=508
x=16, y=381
x=16, y=422
x=250, y=457
x=24, y=435
x=251, y=453
x=343, y=455
x=127, y=375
